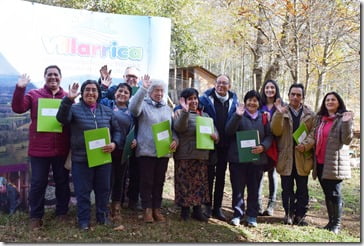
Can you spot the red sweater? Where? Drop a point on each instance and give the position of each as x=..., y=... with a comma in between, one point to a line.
x=41, y=144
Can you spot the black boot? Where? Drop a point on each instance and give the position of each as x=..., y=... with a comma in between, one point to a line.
x=198, y=215
x=185, y=213
x=336, y=221
x=330, y=211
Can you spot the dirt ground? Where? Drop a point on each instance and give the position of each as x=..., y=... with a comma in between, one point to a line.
x=350, y=223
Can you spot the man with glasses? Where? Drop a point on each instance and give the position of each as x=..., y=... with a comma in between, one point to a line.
x=295, y=161
x=220, y=103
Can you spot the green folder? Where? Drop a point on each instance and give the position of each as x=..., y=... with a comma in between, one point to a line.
x=47, y=111
x=127, y=151
x=245, y=141
x=162, y=136
x=299, y=135
x=95, y=139
x=204, y=129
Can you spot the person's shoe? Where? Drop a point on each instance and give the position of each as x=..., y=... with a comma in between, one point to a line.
x=300, y=221
x=115, y=211
x=218, y=214
x=148, y=215
x=252, y=221
x=287, y=220
x=157, y=215
x=35, y=224
x=270, y=209
x=84, y=226
x=106, y=222
x=208, y=211
x=198, y=215
x=235, y=221
x=185, y=213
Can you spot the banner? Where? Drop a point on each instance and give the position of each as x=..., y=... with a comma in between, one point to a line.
x=35, y=36
x=80, y=42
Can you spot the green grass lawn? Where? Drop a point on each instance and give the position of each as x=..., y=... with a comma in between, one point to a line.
x=14, y=229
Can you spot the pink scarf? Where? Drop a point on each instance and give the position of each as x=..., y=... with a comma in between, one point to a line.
x=322, y=134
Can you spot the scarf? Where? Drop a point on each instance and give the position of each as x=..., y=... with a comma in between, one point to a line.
x=222, y=99
x=254, y=115
x=322, y=135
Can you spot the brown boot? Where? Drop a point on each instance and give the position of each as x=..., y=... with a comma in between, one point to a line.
x=115, y=211
x=35, y=224
x=157, y=215
x=148, y=215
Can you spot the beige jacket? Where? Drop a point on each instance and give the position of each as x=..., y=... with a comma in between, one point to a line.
x=337, y=159
x=282, y=128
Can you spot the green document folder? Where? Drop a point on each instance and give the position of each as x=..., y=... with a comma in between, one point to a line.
x=245, y=141
x=204, y=129
x=127, y=151
x=95, y=139
x=47, y=111
x=299, y=135
x=162, y=136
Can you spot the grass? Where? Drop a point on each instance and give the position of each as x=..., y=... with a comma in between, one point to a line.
x=14, y=229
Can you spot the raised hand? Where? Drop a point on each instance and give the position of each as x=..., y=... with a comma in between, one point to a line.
x=279, y=107
x=146, y=81
x=349, y=115
x=106, y=81
x=23, y=80
x=73, y=91
x=104, y=73
x=184, y=105
x=240, y=109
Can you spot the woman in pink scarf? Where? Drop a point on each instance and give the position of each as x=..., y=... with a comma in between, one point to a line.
x=332, y=166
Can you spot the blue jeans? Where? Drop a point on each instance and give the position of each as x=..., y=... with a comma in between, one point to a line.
x=85, y=180
x=39, y=180
x=245, y=175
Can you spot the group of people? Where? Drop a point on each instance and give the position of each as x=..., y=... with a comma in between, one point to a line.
x=199, y=174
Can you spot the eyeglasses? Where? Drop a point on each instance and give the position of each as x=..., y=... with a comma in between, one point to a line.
x=91, y=90
x=131, y=76
x=222, y=82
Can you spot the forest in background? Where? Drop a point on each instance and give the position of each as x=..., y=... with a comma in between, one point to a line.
x=313, y=42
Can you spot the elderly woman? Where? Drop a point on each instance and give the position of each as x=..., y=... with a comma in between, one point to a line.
x=86, y=115
x=249, y=174
x=148, y=106
x=332, y=166
x=190, y=173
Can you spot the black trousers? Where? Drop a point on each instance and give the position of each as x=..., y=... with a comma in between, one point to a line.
x=152, y=175
x=331, y=188
x=217, y=171
x=295, y=202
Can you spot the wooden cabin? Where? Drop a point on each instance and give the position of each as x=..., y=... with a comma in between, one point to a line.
x=184, y=77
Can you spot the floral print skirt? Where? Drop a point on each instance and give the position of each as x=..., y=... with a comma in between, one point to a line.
x=191, y=185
